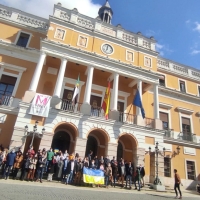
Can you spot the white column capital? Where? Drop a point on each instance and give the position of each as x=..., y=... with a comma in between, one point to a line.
x=43, y=53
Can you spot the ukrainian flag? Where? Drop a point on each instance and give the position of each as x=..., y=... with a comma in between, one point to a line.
x=93, y=176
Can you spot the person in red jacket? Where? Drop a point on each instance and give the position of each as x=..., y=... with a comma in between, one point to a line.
x=177, y=180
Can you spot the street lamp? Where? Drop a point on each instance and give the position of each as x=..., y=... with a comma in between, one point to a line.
x=34, y=132
x=157, y=180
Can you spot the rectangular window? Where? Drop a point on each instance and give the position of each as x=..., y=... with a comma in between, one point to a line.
x=186, y=129
x=167, y=167
x=7, y=84
x=182, y=86
x=23, y=39
x=162, y=81
x=95, y=103
x=165, y=120
x=199, y=90
x=191, y=173
x=67, y=100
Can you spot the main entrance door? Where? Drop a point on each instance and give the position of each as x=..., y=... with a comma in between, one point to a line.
x=61, y=141
x=91, y=145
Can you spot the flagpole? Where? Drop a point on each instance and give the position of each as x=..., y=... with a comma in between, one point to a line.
x=129, y=112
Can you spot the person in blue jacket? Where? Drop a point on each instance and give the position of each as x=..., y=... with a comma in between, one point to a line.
x=9, y=163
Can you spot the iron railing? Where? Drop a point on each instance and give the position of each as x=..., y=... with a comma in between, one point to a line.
x=127, y=118
x=69, y=106
x=6, y=100
x=96, y=111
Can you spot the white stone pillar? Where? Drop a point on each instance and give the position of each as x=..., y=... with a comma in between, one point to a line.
x=115, y=92
x=60, y=78
x=37, y=73
x=156, y=102
x=139, y=86
x=88, y=85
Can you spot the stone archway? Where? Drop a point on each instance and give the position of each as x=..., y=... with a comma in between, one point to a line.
x=65, y=138
x=97, y=141
x=127, y=147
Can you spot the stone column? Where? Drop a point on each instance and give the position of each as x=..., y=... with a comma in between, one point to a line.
x=80, y=147
x=37, y=73
x=46, y=140
x=29, y=95
x=158, y=122
x=86, y=107
x=60, y=78
x=114, y=114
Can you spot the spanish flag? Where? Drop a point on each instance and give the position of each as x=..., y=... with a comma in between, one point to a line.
x=106, y=101
x=93, y=176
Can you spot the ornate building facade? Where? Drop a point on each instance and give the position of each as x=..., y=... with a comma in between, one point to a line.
x=41, y=57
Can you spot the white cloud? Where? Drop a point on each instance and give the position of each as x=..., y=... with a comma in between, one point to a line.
x=195, y=52
x=163, y=49
x=44, y=8
x=197, y=28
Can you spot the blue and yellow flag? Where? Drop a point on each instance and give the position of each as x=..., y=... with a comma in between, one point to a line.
x=93, y=176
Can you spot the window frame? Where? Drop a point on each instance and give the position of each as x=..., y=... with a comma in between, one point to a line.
x=170, y=167
x=198, y=90
x=186, y=172
x=18, y=36
x=179, y=84
x=160, y=111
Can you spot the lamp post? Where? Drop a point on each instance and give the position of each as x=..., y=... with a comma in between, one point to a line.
x=157, y=180
x=34, y=132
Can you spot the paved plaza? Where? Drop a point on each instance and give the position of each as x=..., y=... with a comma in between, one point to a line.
x=17, y=190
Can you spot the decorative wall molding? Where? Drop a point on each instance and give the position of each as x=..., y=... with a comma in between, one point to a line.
x=189, y=151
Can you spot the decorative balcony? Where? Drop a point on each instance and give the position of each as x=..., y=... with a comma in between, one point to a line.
x=68, y=106
x=6, y=100
x=127, y=118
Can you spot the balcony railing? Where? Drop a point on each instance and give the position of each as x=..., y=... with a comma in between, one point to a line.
x=150, y=123
x=187, y=136
x=127, y=118
x=97, y=111
x=169, y=133
x=69, y=106
x=6, y=100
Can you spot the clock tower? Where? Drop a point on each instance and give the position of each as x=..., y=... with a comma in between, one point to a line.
x=106, y=13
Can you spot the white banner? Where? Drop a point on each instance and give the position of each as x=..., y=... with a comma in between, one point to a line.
x=40, y=105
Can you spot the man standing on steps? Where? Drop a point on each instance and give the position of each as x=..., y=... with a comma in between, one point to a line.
x=177, y=180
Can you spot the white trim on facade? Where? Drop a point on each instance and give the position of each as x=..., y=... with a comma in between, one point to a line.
x=20, y=70
x=188, y=117
x=86, y=45
x=150, y=62
x=198, y=90
x=169, y=116
x=195, y=164
x=130, y=51
x=63, y=38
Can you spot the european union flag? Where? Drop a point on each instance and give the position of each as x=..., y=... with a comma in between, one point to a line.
x=137, y=102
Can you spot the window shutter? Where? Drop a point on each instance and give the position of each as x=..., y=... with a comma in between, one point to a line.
x=185, y=121
x=163, y=117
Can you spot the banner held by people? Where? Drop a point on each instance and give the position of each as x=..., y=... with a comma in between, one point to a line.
x=93, y=176
x=106, y=101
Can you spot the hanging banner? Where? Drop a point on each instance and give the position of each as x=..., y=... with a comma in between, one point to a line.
x=40, y=105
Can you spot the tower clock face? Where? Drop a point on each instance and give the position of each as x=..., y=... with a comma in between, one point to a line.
x=107, y=49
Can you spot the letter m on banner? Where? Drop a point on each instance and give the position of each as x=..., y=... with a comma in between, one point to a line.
x=40, y=105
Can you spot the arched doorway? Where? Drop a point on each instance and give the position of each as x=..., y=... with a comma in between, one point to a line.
x=127, y=148
x=97, y=142
x=65, y=138
x=61, y=141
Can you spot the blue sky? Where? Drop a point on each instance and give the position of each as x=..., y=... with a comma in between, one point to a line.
x=175, y=24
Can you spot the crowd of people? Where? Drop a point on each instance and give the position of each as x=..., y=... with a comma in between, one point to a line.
x=68, y=168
